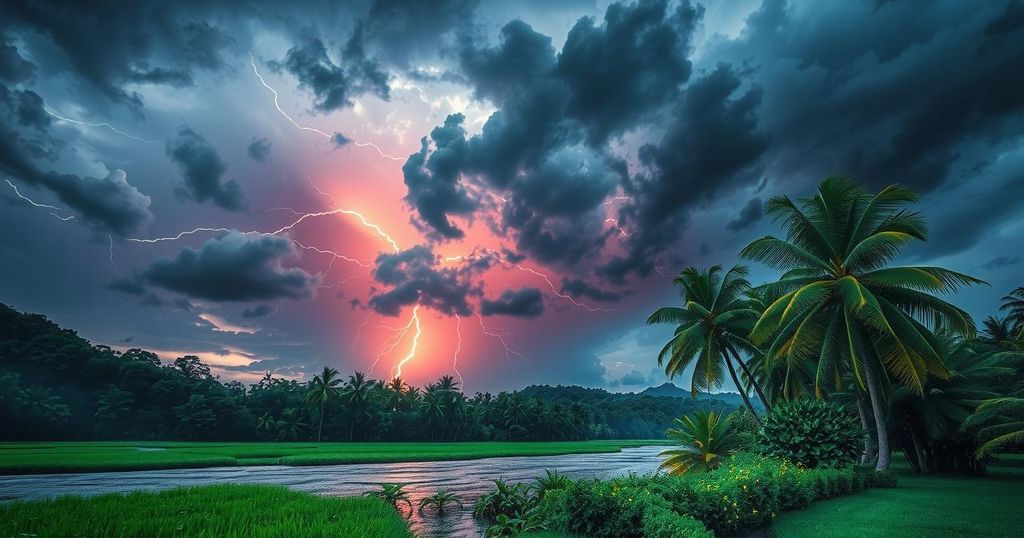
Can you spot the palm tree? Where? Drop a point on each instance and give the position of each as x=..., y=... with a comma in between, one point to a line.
x=999, y=422
x=396, y=393
x=322, y=389
x=705, y=440
x=998, y=331
x=1014, y=302
x=839, y=305
x=711, y=326
x=356, y=399
x=440, y=499
x=391, y=494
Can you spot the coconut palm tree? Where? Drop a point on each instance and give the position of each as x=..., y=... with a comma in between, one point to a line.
x=323, y=389
x=997, y=330
x=705, y=441
x=1014, y=303
x=839, y=303
x=355, y=396
x=711, y=327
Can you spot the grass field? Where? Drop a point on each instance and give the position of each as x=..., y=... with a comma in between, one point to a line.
x=922, y=506
x=209, y=511
x=34, y=458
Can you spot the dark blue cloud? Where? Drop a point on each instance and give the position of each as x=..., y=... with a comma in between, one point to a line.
x=523, y=303
x=203, y=170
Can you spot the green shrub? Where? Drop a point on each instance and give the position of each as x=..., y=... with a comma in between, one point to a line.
x=553, y=509
x=512, y=500
x=812, y=433
x=598, y=508
x=661, y=522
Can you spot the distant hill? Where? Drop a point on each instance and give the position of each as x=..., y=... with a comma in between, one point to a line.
x=670, y=390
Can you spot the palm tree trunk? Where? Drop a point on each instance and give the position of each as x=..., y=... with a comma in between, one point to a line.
x=757, y=386
x=320, y=425
x=878, y=409
x=870, y=447
x=743, y=393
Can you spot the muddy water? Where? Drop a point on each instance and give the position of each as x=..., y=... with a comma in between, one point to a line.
x=468, y=479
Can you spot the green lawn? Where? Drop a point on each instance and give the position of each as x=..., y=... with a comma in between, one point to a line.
x=24, y=458
x=922, y=507
x=208, y=511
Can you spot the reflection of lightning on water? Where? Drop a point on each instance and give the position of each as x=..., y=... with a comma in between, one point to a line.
x=396, y=372
x=277, y=104
x=33, y=203
x=458, y=347
x=103, y=124
x=490, y=332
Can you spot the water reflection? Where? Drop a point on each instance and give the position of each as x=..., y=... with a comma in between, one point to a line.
x=467, y=479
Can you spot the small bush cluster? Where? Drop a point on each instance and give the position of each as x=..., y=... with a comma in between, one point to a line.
x=812, y=433
x=744, y=494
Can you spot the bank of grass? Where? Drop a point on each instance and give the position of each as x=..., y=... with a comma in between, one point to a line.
x=208, y=511
x=70, y=457
x=927, y=506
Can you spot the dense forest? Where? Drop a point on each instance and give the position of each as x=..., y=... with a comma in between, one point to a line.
x=55, y=385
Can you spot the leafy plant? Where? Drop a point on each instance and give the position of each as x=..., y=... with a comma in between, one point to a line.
x=391, y=494
x=705, y=440
x=440, y=499
x=811, y=433
x=506, y=499
x=551, y=481
x=514, y=526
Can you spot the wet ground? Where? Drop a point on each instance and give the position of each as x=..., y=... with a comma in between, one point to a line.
x=468, y=479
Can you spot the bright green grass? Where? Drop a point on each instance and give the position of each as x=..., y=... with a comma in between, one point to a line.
x=208, y=511
x=921, y=506
x=24, y=458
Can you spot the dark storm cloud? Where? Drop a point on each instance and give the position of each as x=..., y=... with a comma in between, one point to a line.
x=259, y=149
x=713, y=141
x=403, y=31
x=340, y=140
x=260, y=311
x=131, y=286
x=749, y=215
x=14, y=68
x=637, y=58
x=203, y=169
x=108, y=204
x=1001, y=261
x=233, y=267
x=901, y=101
x=634, y=378
x=432, y=178
x=413, y=277
x=523, y=303
x=334, y=86
x=544, y=148
x=580, y=288
x=110, y=45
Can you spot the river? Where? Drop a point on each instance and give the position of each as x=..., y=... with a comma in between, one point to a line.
x=469, y=479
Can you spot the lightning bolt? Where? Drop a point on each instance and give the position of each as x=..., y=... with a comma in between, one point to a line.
x=303, y=216
x=614, y=199
x=358, y=332
x=277, y=104
x=508, y=350
x=112, y=266
x=103, y=124
x=37, y=204
x=615, y=224
x=458, y=347
x=569, y=298
x=393, y=341
x=397, y=371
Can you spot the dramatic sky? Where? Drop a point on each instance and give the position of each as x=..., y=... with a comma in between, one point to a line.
x=496, y=190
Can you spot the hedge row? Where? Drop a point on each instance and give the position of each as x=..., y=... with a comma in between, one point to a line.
x=743, y=495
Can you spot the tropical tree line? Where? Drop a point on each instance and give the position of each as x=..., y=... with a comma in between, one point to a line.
x=56, y=385
x=843, y=322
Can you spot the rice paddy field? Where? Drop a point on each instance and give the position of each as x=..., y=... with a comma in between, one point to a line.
x=211, y=511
